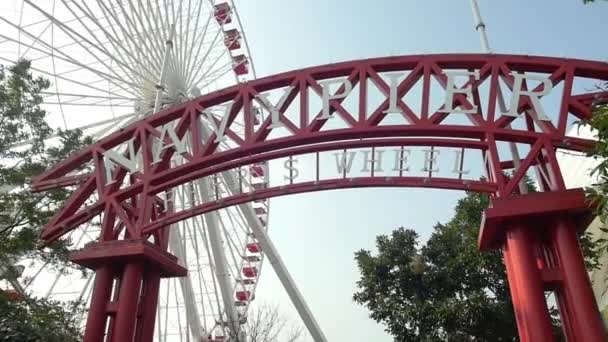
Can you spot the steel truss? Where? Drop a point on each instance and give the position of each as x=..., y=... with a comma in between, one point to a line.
x=536, y=232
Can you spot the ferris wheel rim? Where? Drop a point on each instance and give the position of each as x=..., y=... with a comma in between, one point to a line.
x=118, y=121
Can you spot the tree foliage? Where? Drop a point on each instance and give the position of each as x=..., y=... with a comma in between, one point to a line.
x=444, y=289
x=37, y=319
x=265, y=324
x=598, y=191
x=28, y=146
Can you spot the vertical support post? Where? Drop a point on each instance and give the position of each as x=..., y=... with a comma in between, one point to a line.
x=128, y=302
x=527, y=289
x=565, y=314
x=149, y=302
x=513, y=289
x=97, y=317
x=577, y=288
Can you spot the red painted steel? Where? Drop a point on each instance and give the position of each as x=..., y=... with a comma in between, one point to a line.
x=535, y=322
x=576, y=284
x=132, y=203
x=96, y=319
x=538, y=236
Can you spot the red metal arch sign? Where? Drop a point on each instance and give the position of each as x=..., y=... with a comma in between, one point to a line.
x=329, y=108
x=383, y=109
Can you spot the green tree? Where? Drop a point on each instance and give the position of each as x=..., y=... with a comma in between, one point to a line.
x=28, y=146
x=444, y=289
x=598, y=191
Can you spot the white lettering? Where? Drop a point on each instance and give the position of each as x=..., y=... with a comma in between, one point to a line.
x=392, y=98
x=401, y=159
x=293, y=170
x=274, y=110
x=451, y=89
x=326, y=97
x=534, y=96
x=113, y=158
x=376, y=163
x=430, y=160
x=344, y=164
x=220, y=132
x=459, y=163
x=177, y=144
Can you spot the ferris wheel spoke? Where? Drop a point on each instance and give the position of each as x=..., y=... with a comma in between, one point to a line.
x=220, y=312
x=184, y=46
x=37, y=39
x=157, y=48
x=147, y=12
x=73, y=34
x=116, y=41
x=60, y=77
x=192, y=316
x=87, y=287
x=179, y=320
x=195, y=36
x=129, y=31
x=197, y=226
x=121, y=42
x=192, y=234
x=65, y=57
x=234, y=226
x=231, y=246
x=198, y=43
x=201, y=61
x=225, y=69
x=106, y=56
x=80, y=96
x=112, y=40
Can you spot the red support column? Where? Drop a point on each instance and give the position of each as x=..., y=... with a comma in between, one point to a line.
x=565, y=313
x=554, y=216
x=577, y=287
x=97, y=318
x=128, y=302
x=149, y=301
x=513, y=289
x=530, y=306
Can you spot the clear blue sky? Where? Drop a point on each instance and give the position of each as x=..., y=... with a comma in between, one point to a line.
x=318, y=233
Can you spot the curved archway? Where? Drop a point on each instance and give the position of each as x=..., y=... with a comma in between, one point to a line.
x=430, y=101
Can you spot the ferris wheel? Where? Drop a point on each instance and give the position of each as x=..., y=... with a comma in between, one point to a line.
x=111, y=63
